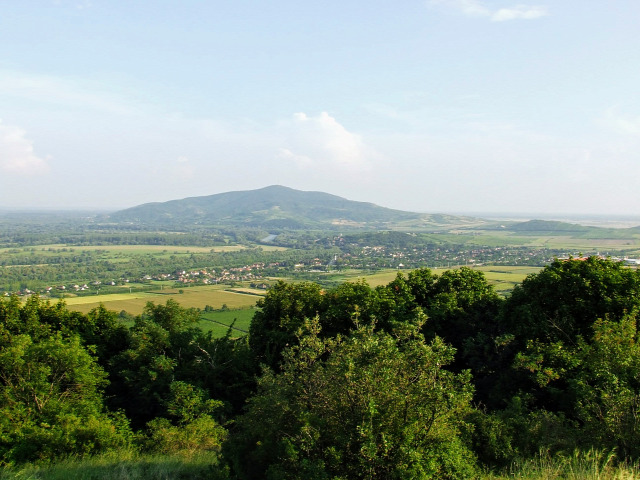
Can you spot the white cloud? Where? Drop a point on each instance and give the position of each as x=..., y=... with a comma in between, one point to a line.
x=473, y=8
x=17, y=155
x=300, y=160
x=322, y=142
x=524, y=12
x=477, y=8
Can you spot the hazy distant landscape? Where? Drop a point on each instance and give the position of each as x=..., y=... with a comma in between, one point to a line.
x=239, y=238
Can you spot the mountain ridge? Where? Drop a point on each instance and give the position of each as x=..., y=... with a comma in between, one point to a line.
x=277, y=206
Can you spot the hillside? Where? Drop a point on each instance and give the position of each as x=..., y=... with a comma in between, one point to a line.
x=277, y=207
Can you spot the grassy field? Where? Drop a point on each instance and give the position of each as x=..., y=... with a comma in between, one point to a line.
x=504, y=278
x=219, y=322
x=197, y=297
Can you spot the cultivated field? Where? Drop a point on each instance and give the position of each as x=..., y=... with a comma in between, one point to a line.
x=219, y=322
x=197, y=297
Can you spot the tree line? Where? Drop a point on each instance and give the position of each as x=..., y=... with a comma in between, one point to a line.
x=429, y=376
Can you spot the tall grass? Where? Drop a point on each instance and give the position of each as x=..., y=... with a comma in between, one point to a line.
x=156, y=467
x=589, y=465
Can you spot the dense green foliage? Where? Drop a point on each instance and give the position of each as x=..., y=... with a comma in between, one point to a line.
x=429, y=376
x=370, y=405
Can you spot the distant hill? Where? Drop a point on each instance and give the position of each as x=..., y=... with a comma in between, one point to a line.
x=549, y=227
x=278, y=207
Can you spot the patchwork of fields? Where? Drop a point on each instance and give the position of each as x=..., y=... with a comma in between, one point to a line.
x=197, y=297
x=241, y=301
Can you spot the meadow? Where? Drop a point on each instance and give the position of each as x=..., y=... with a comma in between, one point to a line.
x=219, y=322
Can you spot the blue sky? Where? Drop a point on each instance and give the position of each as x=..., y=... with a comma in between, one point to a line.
x=430, y=105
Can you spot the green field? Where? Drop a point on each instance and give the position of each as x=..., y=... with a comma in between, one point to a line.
x=219, y=322
x=504, y=278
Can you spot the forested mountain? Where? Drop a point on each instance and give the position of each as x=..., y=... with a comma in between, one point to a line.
x=278, y=207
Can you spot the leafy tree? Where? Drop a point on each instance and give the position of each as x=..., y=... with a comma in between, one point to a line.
x=341, y=303
x=282, y=312
x=570, y=361
x=50, y=401
x=371, y=405
x=167, y=346
x=565, y=298
x=191, y=427
x=594, y=381
x=396, y=304
x=460, y=304
x=224, y=367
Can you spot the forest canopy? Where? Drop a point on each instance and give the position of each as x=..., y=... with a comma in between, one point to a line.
x=429, y=376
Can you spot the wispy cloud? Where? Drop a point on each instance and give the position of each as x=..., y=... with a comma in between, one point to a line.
x=477, y=8
x=17, y=155
x=524, y=12
x=472, y=8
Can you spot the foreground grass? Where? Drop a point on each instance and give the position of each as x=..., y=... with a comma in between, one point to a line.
x=591, y=465
x=157, y=467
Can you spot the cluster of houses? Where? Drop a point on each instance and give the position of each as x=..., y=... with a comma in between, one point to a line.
x=204, y=276
x=210, y=276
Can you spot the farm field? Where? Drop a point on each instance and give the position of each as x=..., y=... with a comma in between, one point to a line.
x=504, y=278
x=197, y=297
x=219, y=322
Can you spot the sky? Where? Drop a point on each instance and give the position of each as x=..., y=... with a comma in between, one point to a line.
x=428, y=105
